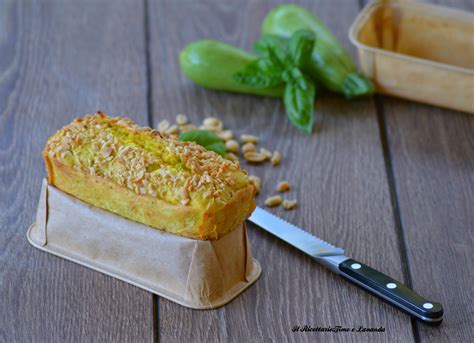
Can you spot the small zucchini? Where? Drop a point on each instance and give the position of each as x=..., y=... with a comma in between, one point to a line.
x=330, y=64
x=212, y=64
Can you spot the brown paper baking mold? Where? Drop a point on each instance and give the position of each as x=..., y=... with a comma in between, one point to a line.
x=193, y=273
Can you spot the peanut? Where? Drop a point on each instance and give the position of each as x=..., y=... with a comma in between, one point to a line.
x=289, y=204
x=276, y=158
x=257, y=183
x=248, y=147
x=249, y=139
x=283, y=186
x=273, y=201
x=254, y=157
x=212, y=124
x=163, y=125
x=226, y=135
x=187, y=127
x=181, y=119
x=231, y=156
x=232, y=146
x=172, y=129
x=267, y=153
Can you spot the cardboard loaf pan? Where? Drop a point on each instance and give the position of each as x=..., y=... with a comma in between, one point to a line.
x=418, y=51
x=193, y=273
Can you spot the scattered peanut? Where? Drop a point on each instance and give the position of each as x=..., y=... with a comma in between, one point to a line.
x=187, y=127
x=248, y=147
x=254, y=157
x=273, y=201
x=232, y=146
x=214, y=129
x=181, y=119
x=226, y=135
x=289, y=204
x=212, y=124
x=231, y=156
x=211, y=121
x=276, y=158
x=283, y=186
x=172, y=129
x=163, y=125
x=267, y=153
x=249, y=139
x=257, y=182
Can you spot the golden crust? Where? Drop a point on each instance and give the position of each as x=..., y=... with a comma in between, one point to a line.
x=199, y=217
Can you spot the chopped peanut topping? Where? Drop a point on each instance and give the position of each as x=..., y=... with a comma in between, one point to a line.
x=146, y=161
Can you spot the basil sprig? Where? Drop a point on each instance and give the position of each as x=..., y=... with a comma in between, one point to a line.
x=207, y=139
x=282, y=62
x=299, y=103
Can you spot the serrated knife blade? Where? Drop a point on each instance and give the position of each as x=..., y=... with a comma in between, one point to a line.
x=377, y=283
x=293, y=235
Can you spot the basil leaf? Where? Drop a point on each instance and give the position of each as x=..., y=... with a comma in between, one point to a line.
x=207, y=139
x=299, y=78
x=283, y=61
x=294, y=75
x=218, y=148
x=276, y=42
x=274, y=48
x=262, y=73
x=300, y=47
x=299, y=104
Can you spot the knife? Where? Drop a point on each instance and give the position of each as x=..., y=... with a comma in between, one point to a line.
x=377, y=283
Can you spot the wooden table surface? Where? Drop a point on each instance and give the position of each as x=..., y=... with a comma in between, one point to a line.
x=389, y=180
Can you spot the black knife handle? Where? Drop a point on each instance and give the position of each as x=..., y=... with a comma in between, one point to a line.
x=391, y=290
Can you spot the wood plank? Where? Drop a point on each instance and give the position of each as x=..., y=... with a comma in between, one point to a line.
x=466, y=5
x=58, y=60
x=432, y=152
x=433, y=164
x=338, y=176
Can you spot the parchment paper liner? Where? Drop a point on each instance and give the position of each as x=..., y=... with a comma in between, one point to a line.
x=193, y=273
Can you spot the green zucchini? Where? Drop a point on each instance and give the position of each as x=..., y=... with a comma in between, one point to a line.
x=331, y=64
x=212, y=64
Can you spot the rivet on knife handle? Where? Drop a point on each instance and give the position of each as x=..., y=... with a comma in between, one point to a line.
x=392, y=291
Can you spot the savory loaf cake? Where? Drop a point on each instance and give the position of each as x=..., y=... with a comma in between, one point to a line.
x=149, y=176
